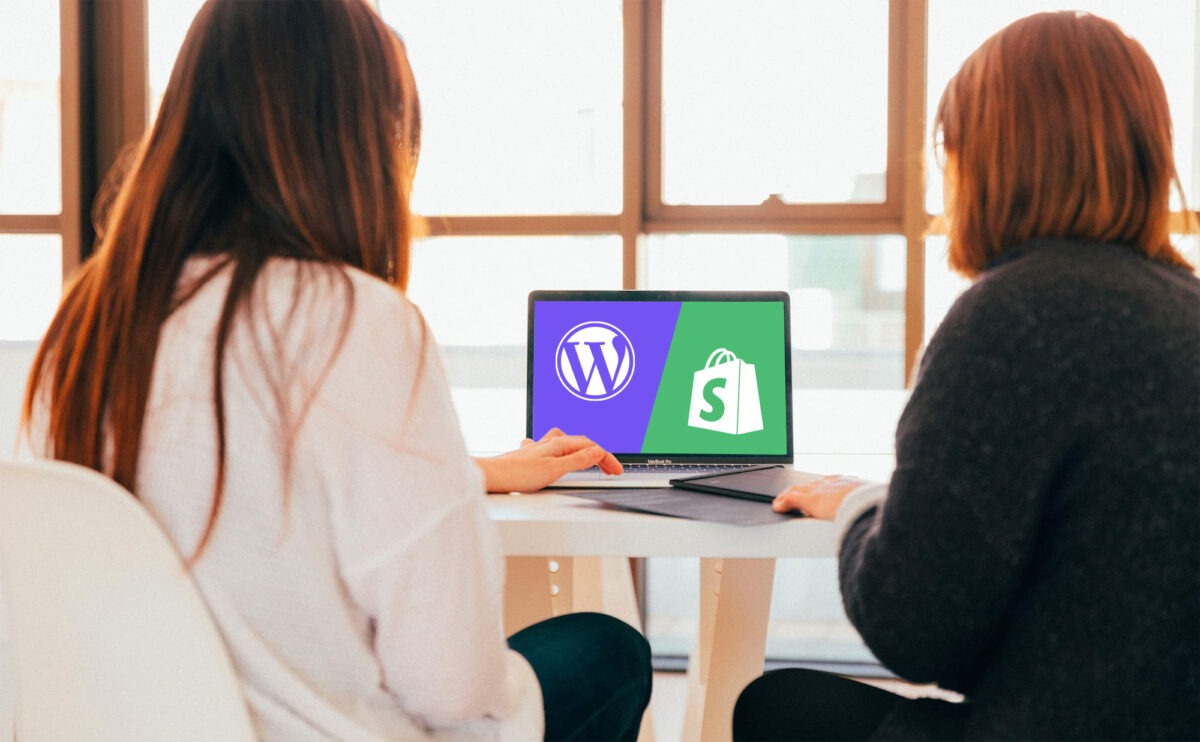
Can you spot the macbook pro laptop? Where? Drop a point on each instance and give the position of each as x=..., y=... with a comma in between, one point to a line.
x=674, y=383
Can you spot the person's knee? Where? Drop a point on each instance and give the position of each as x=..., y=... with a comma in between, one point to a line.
x=614, y=642
x=595, y=674
x=803, y=704
x=763, y=694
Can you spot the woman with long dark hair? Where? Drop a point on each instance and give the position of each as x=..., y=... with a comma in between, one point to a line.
x=1037, y=547
x=239, y=354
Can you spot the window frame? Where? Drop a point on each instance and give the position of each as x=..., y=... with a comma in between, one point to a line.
x=102, y=113
x=66, y=223
x=644, y=213
x=786, y=214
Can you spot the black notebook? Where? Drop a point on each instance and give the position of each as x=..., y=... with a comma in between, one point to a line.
x=761, y=484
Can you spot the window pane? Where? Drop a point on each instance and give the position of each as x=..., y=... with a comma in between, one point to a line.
x=473, y=292
x=1189, y=247
x=847, y=296
x=30, y=284
x=1167, y=29
x=774, y=97
x=167, y=24
x=942, y=285
x=30, y=114
x=521, y=104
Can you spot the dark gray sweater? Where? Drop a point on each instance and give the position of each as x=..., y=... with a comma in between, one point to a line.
x=1039, y=547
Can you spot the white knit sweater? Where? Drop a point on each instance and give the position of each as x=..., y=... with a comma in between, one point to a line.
x=360, y=593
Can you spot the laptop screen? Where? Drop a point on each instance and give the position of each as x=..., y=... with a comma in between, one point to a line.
x=649, y=375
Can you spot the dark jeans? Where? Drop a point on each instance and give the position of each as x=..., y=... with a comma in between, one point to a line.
x=595, y=675
x=799, y=705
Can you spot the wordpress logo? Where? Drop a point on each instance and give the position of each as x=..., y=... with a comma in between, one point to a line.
x=595, y=361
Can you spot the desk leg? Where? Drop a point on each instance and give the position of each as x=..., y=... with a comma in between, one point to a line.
x=527, y=597
x=577, y=584
x=735, y=603
x=540, y=587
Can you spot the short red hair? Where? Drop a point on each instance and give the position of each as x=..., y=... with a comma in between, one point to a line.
x=1057, y=126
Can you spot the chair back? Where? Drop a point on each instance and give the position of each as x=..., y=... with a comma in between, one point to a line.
x=106, y=635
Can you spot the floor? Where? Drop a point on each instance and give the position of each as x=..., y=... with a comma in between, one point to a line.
x=667, y=699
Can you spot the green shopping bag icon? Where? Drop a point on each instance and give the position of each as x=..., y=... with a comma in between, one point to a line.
x=725, y=395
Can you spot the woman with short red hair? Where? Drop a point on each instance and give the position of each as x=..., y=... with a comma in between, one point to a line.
x=1037, y=547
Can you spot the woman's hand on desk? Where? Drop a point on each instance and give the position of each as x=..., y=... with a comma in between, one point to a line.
x=819, y=498
x=538, y=463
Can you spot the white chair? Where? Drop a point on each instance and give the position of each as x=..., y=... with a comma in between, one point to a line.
x=107, y=637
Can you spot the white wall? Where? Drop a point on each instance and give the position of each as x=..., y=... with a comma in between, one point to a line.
x=15, y=360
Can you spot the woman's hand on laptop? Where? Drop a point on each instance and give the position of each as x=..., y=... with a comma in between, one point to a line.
x=538, y=463
x=819, y=498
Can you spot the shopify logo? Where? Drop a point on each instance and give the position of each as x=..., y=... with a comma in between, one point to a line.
x=594, y=361
x=725, y=395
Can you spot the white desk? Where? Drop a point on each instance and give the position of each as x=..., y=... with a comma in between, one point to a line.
x=569, y=554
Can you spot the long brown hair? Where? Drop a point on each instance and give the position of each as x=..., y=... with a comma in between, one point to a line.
x=1057, y=126
x=288, y=129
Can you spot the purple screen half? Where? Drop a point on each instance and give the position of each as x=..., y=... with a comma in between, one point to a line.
x=581, y=331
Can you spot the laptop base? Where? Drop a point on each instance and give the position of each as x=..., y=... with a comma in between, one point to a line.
x=640, y=476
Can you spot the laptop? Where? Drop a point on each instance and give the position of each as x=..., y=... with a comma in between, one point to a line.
x=674, y=383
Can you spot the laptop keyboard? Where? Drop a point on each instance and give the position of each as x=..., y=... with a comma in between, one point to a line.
x=682, y=469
